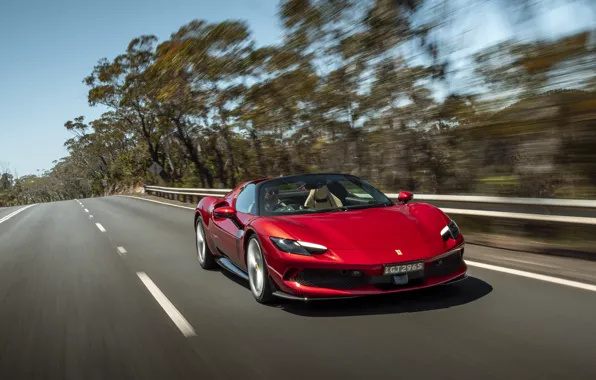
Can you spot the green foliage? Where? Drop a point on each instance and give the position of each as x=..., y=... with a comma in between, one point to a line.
x=351, y=88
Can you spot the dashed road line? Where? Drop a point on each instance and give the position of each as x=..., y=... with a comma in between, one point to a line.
x=100, y=227
x=86, y=210
x=121, y=251
x=176, y=317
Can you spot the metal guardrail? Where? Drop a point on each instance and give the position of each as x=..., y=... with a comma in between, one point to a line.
x=573, y=211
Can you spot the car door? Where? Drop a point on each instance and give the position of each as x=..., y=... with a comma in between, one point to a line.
x=231, y=229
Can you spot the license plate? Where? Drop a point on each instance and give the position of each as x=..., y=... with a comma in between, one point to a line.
x=403, y=268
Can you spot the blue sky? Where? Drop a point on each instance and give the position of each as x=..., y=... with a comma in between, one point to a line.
x=48, y=47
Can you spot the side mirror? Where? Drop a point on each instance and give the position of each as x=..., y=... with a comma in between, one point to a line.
x=224, y=212
x=404, y=197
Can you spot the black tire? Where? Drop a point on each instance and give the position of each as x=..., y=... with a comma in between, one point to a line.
x=265, y=295
x=206, y=261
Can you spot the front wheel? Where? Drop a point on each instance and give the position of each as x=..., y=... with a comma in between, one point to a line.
x=204, y=254
x=258, y=277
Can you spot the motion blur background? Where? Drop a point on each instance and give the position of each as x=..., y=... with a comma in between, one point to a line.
x=398, y=92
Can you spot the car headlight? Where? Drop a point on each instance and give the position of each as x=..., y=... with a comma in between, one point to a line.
x=297, y=247
x=450, y=231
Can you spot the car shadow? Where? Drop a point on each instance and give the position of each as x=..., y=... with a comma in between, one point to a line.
x=435, y=298
x=440, y=297
x=239, y=280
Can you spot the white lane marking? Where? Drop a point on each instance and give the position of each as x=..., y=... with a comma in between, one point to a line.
x=528, y=262
x=121, y=251
x=86, y=210
x=100, y=227
x=185, y=327
x=554, y=280
x=5, y=218
x=151, y=200
x=90, y=216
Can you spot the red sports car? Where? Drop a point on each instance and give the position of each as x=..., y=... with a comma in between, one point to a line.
x=321, y=236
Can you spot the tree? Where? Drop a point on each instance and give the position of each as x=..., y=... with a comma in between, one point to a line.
x=124, y=86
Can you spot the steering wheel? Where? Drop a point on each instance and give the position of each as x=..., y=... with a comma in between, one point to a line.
x=277, y=206
x=288, y=207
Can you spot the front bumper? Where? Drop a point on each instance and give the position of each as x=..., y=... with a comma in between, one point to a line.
x=327, y=283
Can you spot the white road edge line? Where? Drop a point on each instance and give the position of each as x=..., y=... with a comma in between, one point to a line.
x=86, y=210
x=121, y=251
x=554, y=280
x=541, y=277
x=151, y=200
x=528, y=262
x=4, y=219
x=182, y=324
x=100, y=227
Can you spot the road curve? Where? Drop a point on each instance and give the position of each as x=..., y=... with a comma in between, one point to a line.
x=75, y=304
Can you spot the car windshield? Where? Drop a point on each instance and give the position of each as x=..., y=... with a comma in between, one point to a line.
x=317, y=193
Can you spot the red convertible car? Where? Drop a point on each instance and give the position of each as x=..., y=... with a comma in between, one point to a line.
x=321, y=236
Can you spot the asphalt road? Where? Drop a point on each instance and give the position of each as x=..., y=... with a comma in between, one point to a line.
x=72, y=306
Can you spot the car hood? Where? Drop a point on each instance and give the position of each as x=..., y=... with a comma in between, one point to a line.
x=413, y=229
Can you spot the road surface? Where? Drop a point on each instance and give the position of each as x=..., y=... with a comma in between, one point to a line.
x=109, y=288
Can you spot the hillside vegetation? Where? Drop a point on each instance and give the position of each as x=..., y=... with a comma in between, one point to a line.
x=372, y=88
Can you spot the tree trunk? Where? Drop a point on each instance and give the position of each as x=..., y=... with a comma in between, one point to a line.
x=230, y=153
x=259, y=151
x=203, y=173
x=219, y=161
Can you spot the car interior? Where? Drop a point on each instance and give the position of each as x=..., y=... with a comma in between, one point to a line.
x=328, y=195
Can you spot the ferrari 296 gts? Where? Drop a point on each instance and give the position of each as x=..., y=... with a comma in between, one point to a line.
x=321, y=236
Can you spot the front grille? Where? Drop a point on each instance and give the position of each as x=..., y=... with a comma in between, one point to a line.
x=347, y=279
x=444, y=266
x=332, y=279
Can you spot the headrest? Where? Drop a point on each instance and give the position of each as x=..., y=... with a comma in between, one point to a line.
x=322, y=194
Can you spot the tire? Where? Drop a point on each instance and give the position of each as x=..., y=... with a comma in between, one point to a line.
x=258, y=276
x=204, y=255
